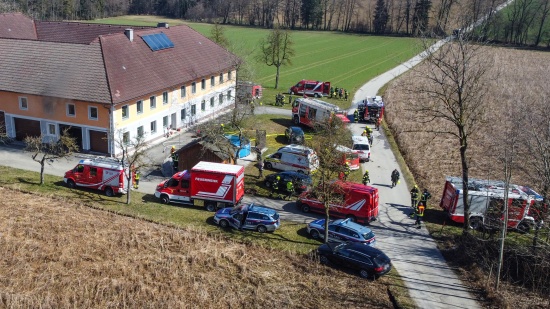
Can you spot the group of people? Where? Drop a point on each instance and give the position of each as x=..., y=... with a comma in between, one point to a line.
x=279, y=99
x=338, y=93
x=288, y=186
x=419, y=203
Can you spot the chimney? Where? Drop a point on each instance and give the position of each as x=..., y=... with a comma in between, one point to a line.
x=163, y=25
x=129, y=34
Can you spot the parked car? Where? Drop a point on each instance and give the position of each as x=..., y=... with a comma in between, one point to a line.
x=294, y=135
x=302, y=182
x=342, y=230
x=369, y=261
x=248, y=217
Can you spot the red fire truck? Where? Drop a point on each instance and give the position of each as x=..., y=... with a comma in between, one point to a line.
x=359, y=202
x=486, y=200
x=371, y=109
x=212, y=185
x=100, y=173
x=308, y=111
x=311, y=88
x=350, y=157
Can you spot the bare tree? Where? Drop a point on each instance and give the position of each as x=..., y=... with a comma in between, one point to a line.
x=455, y=82
x=276, y=50
x=330, y=133
x=134, y=156
x=48, y=151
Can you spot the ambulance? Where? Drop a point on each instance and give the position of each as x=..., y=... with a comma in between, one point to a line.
x=293, y=157
x=101, y=173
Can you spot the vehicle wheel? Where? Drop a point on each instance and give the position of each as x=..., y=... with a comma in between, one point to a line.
x=296, y=120
x=268, y=165
x=267, y=184
x=476, y=223
x=223, y=224
x=71, y=184
x=261, y=229
x=316, y=95
x=210, y=206
x=364, y=273
x=305, y=208
x=524, y=227
x=109, y=192
x=351, y=218
x=315, y=234
x=324, y=260
x=164, y=199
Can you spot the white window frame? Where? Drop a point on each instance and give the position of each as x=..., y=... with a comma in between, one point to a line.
x=127, y=111
x=142, y=131
x=49, y=125
x=203, y=105
x=212, y=81
x=193, y=110
x=165, y=122
x=26, y=101
x=90, y=112
x=138, y=109
x=229, y=75
x=68, y=108
x=165, y=98
x=183, y=91
x=203, y=84
x=229, y=96
x=126, y=137
x=153, y=126
x=183, y=114
x=193, y=87
x=152, y=102
x=221, y=78
x=212, y=100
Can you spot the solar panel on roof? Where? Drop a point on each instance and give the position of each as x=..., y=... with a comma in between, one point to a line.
x=157, y=41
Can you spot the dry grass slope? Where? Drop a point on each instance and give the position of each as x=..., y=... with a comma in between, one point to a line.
x=56, y=254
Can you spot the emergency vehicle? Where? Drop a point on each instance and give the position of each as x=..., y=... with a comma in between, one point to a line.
x=296, y=158
x=371, y=109
x=249, y=90
x=208, y=184
x=350, y=157
x=100, y=173
x=486, y=200
x=359, y=202
x=310, y=111
x=311, y=88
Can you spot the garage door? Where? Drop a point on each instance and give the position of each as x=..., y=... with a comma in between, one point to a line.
x=98, y=141
x=26, y=127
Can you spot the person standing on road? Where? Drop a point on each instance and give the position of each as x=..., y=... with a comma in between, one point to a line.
x=415, y=195
x=419, y=214
x=394, y=178
x=260, y=168
x=425, y=197
x=356, y=115
x=366, y=178
x=289, y=189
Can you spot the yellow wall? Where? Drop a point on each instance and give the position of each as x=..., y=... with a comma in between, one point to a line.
x=53, y=109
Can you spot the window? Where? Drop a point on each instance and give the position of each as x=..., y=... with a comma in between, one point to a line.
x=229, y=75
x=153, y=102
x=183, y=114
x=165, y=122
x=93, y=171
x=51, y=129
x=203, y=105
x=125, y=112
x=229, y=95
x=92, y=112
x=221, y=78
x=23, y=103
x=212, y=102
x=220, y=98
x=153, y=126
x=193, y=110
x=203, y=84
x=126, y=138
x=193, y=87
x=165, y=97
x=139, y=106
x=212, y=81
x=140, y=131
x=71, y=111
x=182, y=91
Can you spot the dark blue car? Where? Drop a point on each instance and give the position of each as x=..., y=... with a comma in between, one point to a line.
x=248, y=217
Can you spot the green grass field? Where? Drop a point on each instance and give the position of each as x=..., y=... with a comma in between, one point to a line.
x=346, y=60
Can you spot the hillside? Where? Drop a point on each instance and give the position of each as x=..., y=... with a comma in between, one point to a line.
x=58, y=254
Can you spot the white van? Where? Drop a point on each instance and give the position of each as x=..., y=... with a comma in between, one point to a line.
x=361, y=146
x=293, y=158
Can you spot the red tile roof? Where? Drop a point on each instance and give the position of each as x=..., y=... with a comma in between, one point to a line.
x=134, y=70
x=16, y=26
x=73, y=71
x=80, y=33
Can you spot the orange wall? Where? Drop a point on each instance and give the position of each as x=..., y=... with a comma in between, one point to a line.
x=54, y=109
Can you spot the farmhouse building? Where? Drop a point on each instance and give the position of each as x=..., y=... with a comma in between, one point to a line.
x=108, y=83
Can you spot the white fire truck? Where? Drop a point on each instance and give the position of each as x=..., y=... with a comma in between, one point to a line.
x=100, y=173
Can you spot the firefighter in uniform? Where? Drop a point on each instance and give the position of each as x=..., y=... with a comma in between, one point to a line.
x=394, y=178
x=346, y=171
x=425, y=197
x=289, y=189
x=136, y=179
x=275, y=187
x=175, y=158
x=260, y=168
x=415, y=195
x=366, y=178
x=419, y=214
x=356, y=115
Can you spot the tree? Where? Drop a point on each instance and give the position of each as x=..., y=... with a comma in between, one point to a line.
x=134, y=156
x=455, y=82
x=217, y=34
x=43, y=150
x=421, y=16
x=381, y=17
x=276, y=50
x=329, y=134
